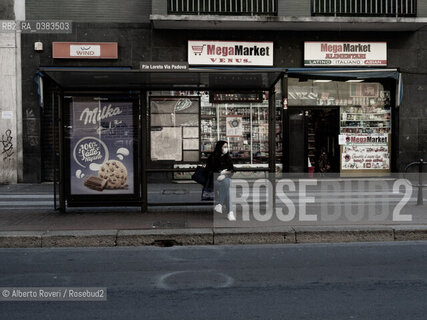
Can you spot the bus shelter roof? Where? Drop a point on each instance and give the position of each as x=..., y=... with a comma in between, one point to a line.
x=242, y=79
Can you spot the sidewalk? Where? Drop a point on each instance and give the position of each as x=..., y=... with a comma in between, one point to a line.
x=29, y=224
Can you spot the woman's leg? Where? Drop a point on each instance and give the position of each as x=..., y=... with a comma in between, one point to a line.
x=219, y=189
x=226, y=184
x=223, y=188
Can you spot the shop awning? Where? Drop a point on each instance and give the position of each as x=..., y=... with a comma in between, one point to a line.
x=349, y=74
x=193, y=79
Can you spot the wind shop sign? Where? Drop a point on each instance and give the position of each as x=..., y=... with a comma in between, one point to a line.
x=230, y=53
x=365, y=54
x=84, y=50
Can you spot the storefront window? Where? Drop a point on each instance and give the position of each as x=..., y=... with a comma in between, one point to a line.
x=361, y=112
x=366, y=127
x=279, y=128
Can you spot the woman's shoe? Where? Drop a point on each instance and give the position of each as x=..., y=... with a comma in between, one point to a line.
x=231, y=216
x=218, y=208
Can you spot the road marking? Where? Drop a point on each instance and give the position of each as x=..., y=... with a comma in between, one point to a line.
x=25, y=196
x=224, y=280
x=25, y=203
x=26, y=208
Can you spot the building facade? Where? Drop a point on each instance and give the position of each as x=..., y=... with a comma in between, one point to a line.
x=312, y=106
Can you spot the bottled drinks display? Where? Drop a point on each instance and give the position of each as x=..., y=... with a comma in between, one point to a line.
x=247, y=140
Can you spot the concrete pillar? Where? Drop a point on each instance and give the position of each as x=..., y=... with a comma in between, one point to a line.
x=8, y=107
x=10, y=101
x=19, y=16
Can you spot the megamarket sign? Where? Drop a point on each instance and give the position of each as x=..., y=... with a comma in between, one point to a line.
x=363, y=140
x=318, y=53
x=230, y=53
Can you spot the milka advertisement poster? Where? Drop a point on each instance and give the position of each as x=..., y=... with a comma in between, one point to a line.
x=101, y=147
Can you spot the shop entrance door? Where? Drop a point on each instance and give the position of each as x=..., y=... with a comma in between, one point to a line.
x=311, y=131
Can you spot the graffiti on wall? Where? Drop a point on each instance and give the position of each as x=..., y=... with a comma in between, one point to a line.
x=29, y=114
x=7, y=160
x=7, y=145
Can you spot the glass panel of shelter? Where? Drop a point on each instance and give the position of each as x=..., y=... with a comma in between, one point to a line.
x=244, y=125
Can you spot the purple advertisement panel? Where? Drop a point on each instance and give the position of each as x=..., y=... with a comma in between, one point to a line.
x=101, y=147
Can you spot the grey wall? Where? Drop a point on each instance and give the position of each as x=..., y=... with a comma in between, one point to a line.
x=294, y=8
x=131, y=11
x=8, y=92
x=160, y=7
x=422, y=8
x=6, y=10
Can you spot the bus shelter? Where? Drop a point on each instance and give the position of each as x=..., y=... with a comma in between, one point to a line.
x=118, y=129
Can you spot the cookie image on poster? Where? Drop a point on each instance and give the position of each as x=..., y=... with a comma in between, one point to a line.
x=115, y=173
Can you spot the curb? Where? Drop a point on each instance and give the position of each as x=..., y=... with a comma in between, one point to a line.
x=165, y=237
x=89, y=238
x=209, y=236
x=268, y=235
x=343, y=234
x=21, y=239
x=406, y=233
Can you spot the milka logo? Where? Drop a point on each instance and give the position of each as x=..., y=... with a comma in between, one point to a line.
x=96, y=114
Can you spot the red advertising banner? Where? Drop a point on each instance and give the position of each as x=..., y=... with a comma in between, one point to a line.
x=84, y=50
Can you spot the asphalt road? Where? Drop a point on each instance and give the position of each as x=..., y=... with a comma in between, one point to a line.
x=323, y=281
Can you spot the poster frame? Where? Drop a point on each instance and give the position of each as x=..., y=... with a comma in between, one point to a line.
x=102, y=200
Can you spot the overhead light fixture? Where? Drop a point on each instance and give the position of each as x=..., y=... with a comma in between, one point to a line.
x=355, y=80
x=322, y=81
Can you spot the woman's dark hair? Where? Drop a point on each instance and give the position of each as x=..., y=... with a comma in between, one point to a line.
x=217, y=160
x=218, y=147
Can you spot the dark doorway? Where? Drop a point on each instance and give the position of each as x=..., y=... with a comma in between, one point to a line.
x=311, y=131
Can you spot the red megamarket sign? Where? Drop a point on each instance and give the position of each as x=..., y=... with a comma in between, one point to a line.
x=84, y=50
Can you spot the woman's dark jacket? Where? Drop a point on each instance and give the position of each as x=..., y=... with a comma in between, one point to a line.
x=216, y=163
